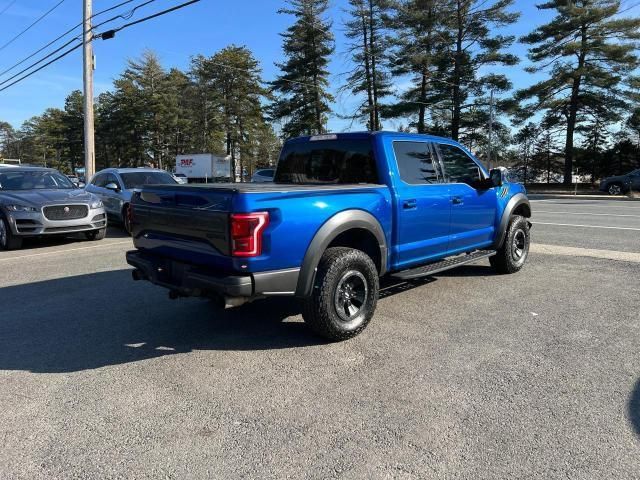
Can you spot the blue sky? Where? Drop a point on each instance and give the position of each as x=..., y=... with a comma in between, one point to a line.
x=204, y=28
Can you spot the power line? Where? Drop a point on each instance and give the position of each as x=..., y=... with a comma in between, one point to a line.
x=108, y=34
x=7, y=7
x=628, y=8
x=43, y=66
x=49, y=55
x=30, y=26
x=124, y=16
x=75, y=39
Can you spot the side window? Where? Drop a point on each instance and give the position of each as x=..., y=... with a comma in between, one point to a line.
x=415, y=163
x=111, y=178
x=98, y=181
x=458, y=166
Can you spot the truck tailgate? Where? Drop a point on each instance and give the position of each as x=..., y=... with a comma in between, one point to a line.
x=186, y=223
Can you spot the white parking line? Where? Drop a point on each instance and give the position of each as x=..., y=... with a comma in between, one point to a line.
x=590, y=213
x=64, y=251
x=586, y=226
x=603, y=204
x=580, y=198
x=584, y=252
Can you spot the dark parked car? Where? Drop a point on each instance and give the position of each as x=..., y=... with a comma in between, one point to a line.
x=621, y=184
x=38, y=201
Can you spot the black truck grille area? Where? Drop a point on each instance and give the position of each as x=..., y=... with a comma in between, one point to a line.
x=66, y=212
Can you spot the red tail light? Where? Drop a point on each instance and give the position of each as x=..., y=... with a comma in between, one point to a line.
x=246, y=233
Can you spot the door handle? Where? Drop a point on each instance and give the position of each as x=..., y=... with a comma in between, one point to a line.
x=456, y=200
x=410, y=204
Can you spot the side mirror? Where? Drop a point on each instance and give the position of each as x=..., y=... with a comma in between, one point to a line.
x=498, y=176
x=81, y=185
x=112, y=186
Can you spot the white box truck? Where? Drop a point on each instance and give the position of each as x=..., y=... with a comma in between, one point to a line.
x=203, y=167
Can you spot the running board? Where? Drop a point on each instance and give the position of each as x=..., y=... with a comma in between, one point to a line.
x=443, y=265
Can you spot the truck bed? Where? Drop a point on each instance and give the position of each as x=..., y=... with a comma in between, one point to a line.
x=190, y=223
x=265, y=187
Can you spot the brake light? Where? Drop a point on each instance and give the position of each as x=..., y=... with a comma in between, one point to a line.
x=246, y=233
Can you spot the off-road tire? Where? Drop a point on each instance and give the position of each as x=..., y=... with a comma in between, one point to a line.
x=507, y=259
x=96, y=234
x=337, y=266
x=9, y=240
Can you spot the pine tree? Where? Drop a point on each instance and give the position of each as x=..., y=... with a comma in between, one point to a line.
x=633, y=124
x=50, y=131
x=8, y=140
x=120, y=127
x=586, y=51
x=594, y=126
x=525, y=138
x=269, y=146
x=472, y=46
x=146, y=76
x=177, y=119
x=74, y=128
x=418, y=44
x=302, y=88
x=206, y=133
x=109, y=140
x=369, y=43
x=235, y=78
x=546, y=154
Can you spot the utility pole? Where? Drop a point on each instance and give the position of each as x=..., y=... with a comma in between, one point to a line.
x=87, y=71
x=490, y=131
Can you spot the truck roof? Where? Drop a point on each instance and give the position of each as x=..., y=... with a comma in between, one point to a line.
x=357, y=135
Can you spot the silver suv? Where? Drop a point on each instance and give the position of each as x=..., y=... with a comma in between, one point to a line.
x=114, y=186
x=263, y=175
x=38, y=201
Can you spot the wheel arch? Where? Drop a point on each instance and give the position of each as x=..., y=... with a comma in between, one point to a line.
x=349, y=228
x=517, y=205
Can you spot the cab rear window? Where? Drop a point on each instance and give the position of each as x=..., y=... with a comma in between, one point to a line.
x=327, y=162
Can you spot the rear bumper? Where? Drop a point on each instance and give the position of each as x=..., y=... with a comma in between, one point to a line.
x=192, y=280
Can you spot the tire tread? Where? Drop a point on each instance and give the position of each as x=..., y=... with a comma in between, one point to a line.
x=316, y=309
x=502, y=261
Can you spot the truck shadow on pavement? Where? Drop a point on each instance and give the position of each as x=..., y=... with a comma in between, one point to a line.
x=96, y=320
x=91, y=321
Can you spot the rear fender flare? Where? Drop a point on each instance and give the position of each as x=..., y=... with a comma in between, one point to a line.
x=516, y=201
x=339, y=223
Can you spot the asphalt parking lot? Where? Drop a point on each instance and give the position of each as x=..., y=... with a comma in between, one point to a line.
x=463, y=375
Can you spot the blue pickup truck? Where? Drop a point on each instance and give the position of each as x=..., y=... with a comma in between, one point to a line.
x=343, y=211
